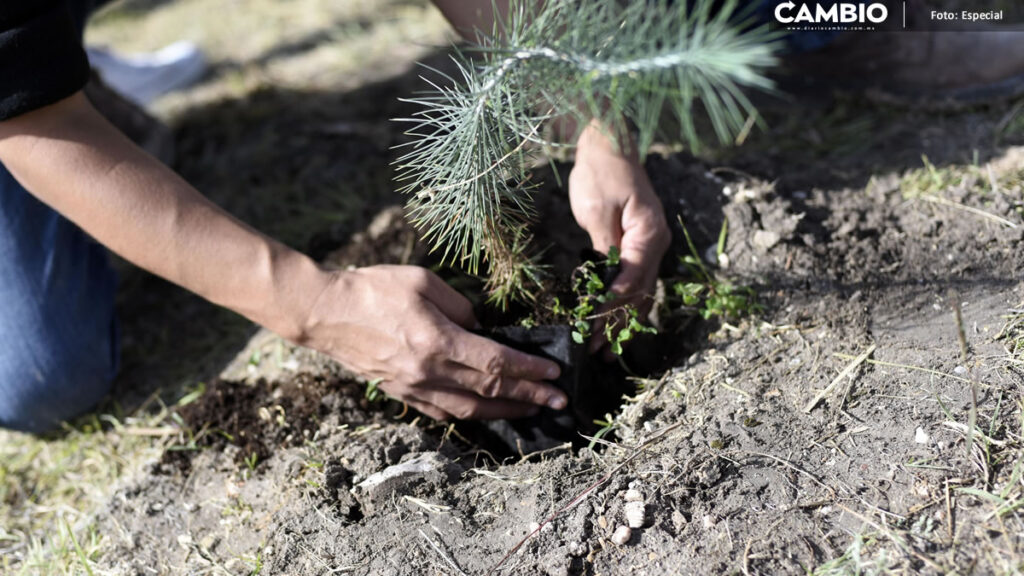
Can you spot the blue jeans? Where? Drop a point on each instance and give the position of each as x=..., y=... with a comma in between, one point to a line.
x=58, y=331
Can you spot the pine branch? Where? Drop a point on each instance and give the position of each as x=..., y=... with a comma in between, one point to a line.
x=622, y=64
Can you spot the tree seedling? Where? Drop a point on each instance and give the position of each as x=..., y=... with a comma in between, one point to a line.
x=475, y=137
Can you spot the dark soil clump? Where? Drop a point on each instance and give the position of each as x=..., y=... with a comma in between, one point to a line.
x=262, y=418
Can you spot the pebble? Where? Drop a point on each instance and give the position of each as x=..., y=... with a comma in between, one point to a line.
x=602, y=522
x=635, y=514
x=765, y=240
x=920, y=436
x=622, y=535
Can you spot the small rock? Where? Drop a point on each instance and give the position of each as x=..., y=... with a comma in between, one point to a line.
x=960, y=370
x=634, y=495
x=765, y=240
x=920, y=436
x=708, y=522
x=635, y=514
x=532, y=527
x=602, y=522
x=380, y=487
x=621, y=535
x=678, y=520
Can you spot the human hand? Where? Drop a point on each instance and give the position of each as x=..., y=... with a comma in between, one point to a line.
x=613, y=200
x=405, y=326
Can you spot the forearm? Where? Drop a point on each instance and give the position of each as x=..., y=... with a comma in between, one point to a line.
x=69, y=157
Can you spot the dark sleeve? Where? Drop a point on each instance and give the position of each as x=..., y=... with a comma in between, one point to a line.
x=41, y=55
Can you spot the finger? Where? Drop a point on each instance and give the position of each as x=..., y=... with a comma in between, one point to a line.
x=497, y=364
x=645, y=239
x=506, y=388
x=489, y=357
x=635, y=285
x=606, y=231
x=602, y=221
x=429, y=409
x=452, y=304
x=467, y=406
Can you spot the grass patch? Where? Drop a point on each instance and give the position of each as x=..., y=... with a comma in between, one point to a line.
x=49, y=484
x=953, y=185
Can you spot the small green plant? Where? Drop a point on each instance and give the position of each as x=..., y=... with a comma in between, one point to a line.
x=256, y=563
x=251, y=461
x=607, y=425
x=466, y=169
x=373, y=392
x=621, y=324
x=709, y=296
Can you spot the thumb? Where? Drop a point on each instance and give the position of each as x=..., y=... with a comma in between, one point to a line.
x=455, y=306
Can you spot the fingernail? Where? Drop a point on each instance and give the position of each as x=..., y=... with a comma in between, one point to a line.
x=552, y=373
x=556, y=402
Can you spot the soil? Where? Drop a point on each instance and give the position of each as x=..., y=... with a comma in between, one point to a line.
x=738, y=470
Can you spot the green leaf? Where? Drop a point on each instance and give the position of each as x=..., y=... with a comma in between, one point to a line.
x=616, y=348
x=373, y=391
x=577, y=337
x=720, y=249
x=613, y=256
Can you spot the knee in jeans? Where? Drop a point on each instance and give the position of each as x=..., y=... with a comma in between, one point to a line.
x=48, y=380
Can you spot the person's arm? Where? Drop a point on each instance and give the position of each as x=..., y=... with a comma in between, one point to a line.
x=610, y=193
x=401, y=324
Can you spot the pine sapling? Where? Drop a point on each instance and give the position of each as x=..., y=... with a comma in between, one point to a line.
x=623, y=64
